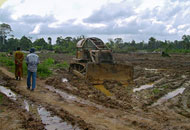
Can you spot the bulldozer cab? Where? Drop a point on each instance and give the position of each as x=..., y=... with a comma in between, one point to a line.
x=93, y=50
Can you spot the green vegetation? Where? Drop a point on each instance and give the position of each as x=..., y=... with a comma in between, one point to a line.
x=63, y=65
x=1, y=98
x=7, y=61
x=165, y=86
x=44, y=68
x=165, y=54
x=68, y=44
x=43, y=71
x=156, y=91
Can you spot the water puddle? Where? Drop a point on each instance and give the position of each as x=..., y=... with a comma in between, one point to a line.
x=143, y=87
x=8, y=93
x=51, y=122
x=63, y=94
x=72, y=98
x=154, y=70
x=151, y=69
x=64, y=80
x=184, y=76
x=169, y=96
x=26, y=105
x=103, y=90
x=147, y=86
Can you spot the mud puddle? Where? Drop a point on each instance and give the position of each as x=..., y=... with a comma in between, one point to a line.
x=64, y=80
x=51, y=122
x=103, y=90
x=147, y=86
x=71, y=98
x=169, y=96
x=143, y=87
x=8, y=93
x=152, y=70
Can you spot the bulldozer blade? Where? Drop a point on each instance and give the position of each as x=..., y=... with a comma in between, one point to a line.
x=98, y=73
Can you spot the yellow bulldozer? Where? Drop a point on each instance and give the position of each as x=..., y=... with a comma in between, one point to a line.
x=94, y=62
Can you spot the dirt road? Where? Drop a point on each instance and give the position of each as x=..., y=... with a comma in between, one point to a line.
x=157, y=101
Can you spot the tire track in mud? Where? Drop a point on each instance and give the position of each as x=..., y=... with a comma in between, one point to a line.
x=106, y=119
x=39, y=112
x=79, y=113
x=13, y=117
x=20, y=88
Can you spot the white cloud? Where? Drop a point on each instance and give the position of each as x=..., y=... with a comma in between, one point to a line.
x=129, y=19
x=36, y=30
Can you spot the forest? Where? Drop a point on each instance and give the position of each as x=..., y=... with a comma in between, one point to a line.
x=9, y=43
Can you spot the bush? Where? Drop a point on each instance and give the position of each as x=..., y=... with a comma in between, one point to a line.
x=156, y=91
x=164, y=54
x=63, y=65
x=44, y=68
x=43, y=71
x=49, y=62
x=9, y=63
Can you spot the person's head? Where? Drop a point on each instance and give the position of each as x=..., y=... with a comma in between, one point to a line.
x=18, y=49
x=32, y=50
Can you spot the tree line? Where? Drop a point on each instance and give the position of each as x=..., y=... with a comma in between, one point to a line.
x=153, y=44
x=68, y=44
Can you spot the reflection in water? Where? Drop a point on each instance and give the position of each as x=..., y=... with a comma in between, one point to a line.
x=151, y=69
x=72, y=98
x=103, y=90
x=50, y=122
x=143, y=87
x=53, y=122
x=62, y=94
x=26, y=105
x=169, y=96
x=64, y=80
x=8, y=93
x=150, y=85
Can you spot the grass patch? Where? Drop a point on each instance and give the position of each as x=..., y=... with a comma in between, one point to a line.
x=7, y=61
x=165, y=86
x=183, y=51
x=43, y=71
x=44, y=68
x=63, y=65
x=156, y=91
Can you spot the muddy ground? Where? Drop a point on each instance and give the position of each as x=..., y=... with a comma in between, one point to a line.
x=157, y=100
x=12, y=116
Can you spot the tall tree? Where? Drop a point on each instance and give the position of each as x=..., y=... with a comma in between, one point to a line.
x=186, y=41
x=5, y=30
x=25, y=43
x=151, y=43
x=49, y=40
x=41, y=43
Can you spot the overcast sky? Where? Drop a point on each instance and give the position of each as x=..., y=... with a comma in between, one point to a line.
x=128, y=19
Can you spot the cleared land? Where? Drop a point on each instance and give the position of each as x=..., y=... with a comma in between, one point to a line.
x=158, y=99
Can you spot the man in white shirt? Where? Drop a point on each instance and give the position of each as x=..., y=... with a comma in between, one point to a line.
x=32, y=61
